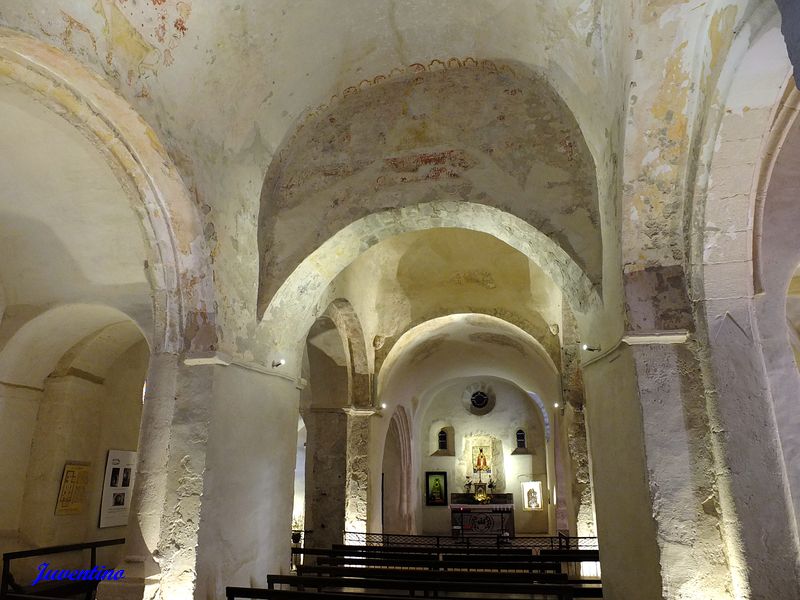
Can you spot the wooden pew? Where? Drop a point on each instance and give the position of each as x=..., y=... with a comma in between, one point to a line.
x=572, y=555
x=536, y=565
x=336, y=552
x=558, y=590
x=427, y=575
x=435, y=549
x=240, y=593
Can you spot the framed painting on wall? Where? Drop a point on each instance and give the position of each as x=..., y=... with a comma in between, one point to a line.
x=436, y=488
x=532, y=495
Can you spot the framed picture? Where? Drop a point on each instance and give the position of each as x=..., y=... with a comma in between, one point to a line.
x=117, y=487
x=72, y=493
x=436, y=488
x=532, y=495
x=482, y=459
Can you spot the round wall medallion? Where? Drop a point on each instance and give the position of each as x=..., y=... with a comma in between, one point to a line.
x=478, y=398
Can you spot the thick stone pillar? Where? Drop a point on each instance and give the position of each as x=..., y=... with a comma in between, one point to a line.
x=326, y=476
x=625, y=525
x=246, y=517
x=681, y=469
x=213, y=492
x=161, y=543
x=583, y=501
x=758, y=510
x=357, y=487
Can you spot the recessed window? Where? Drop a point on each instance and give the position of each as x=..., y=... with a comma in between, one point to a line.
x=442, y=440
x=521, y=442
x=479, y=399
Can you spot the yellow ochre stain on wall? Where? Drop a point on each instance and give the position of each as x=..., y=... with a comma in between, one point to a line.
x=122, y=37
x=720, y=37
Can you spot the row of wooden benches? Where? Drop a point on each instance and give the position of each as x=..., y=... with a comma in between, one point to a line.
x=373, y=572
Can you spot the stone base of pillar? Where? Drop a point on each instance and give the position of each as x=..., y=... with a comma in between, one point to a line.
x=134, y=586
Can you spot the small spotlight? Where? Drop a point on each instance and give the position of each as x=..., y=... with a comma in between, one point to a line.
x=555, y=404
x=589, y=348
x=278, y=363
x=383, y=405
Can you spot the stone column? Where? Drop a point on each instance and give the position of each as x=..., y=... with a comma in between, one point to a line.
x=757, y=504
x=357, y=476
x=625, y=525
x=326, y=476
x=681, y=468
x=581, y=474
x=213, y=492
x=581, y=500
x=161, y=546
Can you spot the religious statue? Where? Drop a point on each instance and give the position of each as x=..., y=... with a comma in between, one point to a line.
x=481, y=463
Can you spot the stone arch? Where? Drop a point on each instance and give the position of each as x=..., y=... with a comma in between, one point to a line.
x=537, y=400
x=395, y=359
x=496, y=162
x=526, y=325
x=347, y=323
x=293, y=306
x=32, y=353
x=740, y=141
x=178, y=261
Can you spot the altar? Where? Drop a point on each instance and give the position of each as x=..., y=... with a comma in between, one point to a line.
x=471, y=518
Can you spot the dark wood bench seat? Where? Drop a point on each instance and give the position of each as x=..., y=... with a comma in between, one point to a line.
x=382, y=555
x=435, y=549
x=560, y=590
x=390, y=573
x=241, y=593
x=440, y=565
x=572, y=555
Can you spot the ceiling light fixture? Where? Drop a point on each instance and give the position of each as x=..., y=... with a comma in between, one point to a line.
x=278, y=363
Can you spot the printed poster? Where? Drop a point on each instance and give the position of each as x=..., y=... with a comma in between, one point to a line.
x=117, y=488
